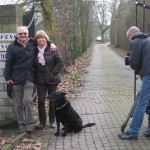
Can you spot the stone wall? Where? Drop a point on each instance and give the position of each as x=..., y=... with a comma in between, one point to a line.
x=10, y=19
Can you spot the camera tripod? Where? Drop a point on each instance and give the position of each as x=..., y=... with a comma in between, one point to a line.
x=131, y=113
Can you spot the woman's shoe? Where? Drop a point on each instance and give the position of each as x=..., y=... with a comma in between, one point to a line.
x=52, y=125
x=40, y=126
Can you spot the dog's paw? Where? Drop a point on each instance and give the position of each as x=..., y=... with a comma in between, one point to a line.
x=56, y=134
x=64, y=134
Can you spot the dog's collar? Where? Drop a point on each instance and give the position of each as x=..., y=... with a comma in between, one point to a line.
x=58, y=108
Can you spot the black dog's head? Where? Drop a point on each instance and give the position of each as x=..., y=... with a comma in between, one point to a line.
x=58, y=97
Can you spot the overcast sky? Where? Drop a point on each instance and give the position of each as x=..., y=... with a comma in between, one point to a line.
x=5, y=2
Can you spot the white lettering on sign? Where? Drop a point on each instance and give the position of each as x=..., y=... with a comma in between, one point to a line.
x=7, y=36
x=5, y=39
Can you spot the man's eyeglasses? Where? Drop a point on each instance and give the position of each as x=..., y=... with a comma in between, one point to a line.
x=23, y=33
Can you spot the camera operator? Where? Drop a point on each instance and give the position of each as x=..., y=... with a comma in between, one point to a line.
x=139, y=60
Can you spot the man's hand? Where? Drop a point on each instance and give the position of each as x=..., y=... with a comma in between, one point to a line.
x=9, y=81
x=53, y=47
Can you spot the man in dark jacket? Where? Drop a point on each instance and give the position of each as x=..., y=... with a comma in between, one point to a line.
x=19, y=70
x=140, y=62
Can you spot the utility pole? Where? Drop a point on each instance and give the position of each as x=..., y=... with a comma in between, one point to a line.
x=144, y=17
x=136, y=12
x=73, y=32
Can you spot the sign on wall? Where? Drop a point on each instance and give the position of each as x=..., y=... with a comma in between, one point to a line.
x=5, y=40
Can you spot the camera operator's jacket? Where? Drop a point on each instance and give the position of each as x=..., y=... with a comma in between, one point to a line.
x=140, y=53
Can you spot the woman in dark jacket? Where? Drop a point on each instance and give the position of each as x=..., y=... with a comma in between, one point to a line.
x=48, y=66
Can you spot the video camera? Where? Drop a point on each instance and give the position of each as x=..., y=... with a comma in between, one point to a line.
x=137, y=72
x=127, y=59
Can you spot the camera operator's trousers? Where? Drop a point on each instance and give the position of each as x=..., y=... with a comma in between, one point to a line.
x=143, y=99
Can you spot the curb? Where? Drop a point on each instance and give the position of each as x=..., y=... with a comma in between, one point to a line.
x=14, y=141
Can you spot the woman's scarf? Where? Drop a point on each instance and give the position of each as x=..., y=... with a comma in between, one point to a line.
x=41, y=54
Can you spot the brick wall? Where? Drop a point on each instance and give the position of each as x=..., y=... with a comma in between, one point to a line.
x=10, y=19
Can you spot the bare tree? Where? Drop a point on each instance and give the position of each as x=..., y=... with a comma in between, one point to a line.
x=102, y=16
x=56, y=18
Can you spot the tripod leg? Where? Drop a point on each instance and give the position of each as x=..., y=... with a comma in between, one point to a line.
x=129, y=115
x=133, y=106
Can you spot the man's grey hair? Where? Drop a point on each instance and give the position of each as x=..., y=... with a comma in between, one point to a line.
x=22, y=27
x=133, y=30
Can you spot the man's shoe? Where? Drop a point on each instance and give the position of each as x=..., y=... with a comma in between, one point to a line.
x=30, y=128
x=22, y=128
x=127, y=136
x=52, y=125
x=40, y=126
x=146, y=134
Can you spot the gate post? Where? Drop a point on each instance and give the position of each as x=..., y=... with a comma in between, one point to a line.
x=10, y=19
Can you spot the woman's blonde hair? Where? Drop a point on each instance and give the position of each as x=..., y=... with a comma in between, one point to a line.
x=41, y=33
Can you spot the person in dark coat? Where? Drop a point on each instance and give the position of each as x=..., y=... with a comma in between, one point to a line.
x=20, y=72
x=48, y=66
x=139, y=61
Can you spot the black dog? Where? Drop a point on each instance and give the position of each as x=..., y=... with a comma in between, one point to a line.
x=66, y=115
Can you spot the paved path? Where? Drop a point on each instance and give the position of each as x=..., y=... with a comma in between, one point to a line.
x=106, y=100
